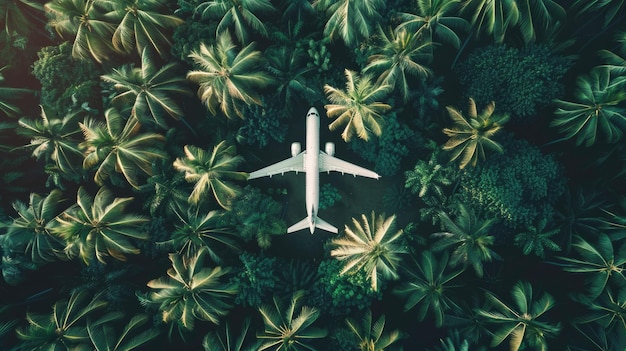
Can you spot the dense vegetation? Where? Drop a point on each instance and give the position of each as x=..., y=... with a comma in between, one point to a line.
x=127, y=128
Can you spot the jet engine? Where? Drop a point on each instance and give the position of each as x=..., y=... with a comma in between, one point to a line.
x=296, y=148
x=330, y=148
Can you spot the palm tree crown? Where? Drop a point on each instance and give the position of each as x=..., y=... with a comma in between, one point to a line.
x=597, y=109
x=289, y=328
x=117, y=146
x=371, y=336
x=228, y=79
x=468, y=237
x=399, y=56
x=371, y=245
x=149, y=89
x=191, y=291
x=469, y=138
x=210, y=171
x=240, y=14
x=140, y=25
x=96, y=227
x=521, y=321
x=87, y=22
x=357, y=107
x=351, y=20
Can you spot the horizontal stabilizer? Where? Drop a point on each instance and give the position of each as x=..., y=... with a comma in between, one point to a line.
x=306, y=224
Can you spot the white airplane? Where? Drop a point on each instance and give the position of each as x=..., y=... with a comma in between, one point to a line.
x=312, y=161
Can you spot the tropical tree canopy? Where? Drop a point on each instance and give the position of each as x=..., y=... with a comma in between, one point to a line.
x=597, y=113
x=357, y=108
x=211, y=172
x=469, y=137
x=228, y=79
x=99, y=226
x=240, y=15
x=351, y=20
x=192, y=291
x=117, y=146
x=371, y=245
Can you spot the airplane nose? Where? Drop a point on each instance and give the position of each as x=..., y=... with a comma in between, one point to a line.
x=312, y=110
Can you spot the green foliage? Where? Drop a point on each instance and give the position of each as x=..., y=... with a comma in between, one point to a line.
x=470, y=136
x=188, y=36
x=524, y=320
x=537, y=240
x=329, y=195
x=428, y=286
x=520, y=186
x=319, y=55
x=256, y=279
x=105, y=338
x=370, y=335
x=256, y=216
x=62, y=329
x=597, y=112
x=295, y=275
x=262, y=125
x=114, y=283
x=340, y=294
x=289, y=327
x=63, y=87
x=430, y=179
x=396, y=198
x=225, y=338
x=389, y=150
x=521, y=82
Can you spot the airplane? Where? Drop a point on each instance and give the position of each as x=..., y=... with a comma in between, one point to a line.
x=312, y=161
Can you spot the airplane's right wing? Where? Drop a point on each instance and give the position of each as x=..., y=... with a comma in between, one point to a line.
x=292, y=164
x=329, y=163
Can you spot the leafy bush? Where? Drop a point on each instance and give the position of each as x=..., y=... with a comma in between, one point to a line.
x=328, y=196
x=65, y=81
x=262, y=125
x=256, y=279
x=520, y=81
x=340, y=294
x=389, y=150
x=519, y=186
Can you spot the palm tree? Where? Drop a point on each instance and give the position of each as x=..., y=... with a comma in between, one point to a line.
x=54, y=139
x=64, y=328
x=117, y=146
x=86, y=21
x=287, y=66
x=31, y=229
x=432, y=20
x=494, y=17
x=537, y=240
x=616, y=62
x=191, y=291
x=373, y=246
x=522, y=321
x=610, y=9
x=7, y=94
x=104, y=337
x=469, y=138
x=428, y=178
x=297, y=9
x=228, y=79
x=372, y=337
x=399, y=57
x=211, y=171
x=469, y=238
x=600, y=262
x=351, y=20
x=149, y=89
x=289, y=328
x=596, y=109
x=357, y=107
x=196, y=231
x=141, y=24
x=98, y=226
x=608, y=311
x=240, y=14
x=226, y=340
x=18, y=16
x=428, y=285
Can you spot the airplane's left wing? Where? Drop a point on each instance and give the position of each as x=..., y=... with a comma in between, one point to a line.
x=292, y=164
x=329, y=163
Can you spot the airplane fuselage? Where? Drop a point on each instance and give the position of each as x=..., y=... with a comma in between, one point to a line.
x=311, y=165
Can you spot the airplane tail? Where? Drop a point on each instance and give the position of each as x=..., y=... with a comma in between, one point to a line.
x=319, y=223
